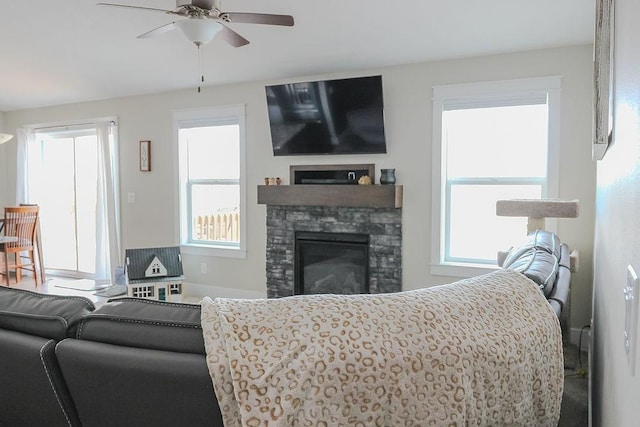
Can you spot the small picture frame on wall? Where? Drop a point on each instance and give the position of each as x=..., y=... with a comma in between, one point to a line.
x=145, y=156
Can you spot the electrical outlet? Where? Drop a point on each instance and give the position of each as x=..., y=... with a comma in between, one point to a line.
x=631, y=317
x=203, y=268
x=131, y=197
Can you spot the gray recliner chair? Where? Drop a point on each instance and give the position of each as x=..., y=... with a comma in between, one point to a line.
x=544, y=259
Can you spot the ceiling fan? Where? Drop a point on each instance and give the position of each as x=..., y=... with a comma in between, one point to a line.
x=203, y=19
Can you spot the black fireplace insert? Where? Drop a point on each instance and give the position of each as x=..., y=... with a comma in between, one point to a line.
x=331, y=263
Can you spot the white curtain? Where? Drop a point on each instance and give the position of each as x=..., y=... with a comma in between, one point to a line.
x=25, y=138
x=108, y=207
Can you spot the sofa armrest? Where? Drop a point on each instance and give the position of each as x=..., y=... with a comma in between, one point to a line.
x=559, y=295
x=546, y=261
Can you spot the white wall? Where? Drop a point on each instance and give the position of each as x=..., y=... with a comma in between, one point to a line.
x=407, y=90
x=616, y=391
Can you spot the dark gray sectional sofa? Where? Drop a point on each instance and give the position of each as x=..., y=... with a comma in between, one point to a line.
x=136, y=362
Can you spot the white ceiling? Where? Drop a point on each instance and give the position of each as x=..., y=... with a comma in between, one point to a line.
x=66, y=51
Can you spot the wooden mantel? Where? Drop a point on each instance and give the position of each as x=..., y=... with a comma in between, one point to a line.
x=362, y=196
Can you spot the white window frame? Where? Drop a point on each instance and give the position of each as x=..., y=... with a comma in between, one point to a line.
x=212, y=116
x=483, y=94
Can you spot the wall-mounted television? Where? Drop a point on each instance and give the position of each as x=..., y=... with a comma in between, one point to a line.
x=344, y=116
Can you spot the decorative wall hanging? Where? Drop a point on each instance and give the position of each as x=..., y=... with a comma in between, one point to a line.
x=145, y=156
x=603, y=78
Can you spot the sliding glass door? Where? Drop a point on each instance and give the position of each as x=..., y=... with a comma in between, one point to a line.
x=62, y=177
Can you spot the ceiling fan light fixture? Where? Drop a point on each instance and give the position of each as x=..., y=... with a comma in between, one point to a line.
x=4, y=137
x=199, y=30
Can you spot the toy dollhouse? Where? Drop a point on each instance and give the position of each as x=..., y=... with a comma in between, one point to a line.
x=154, y=273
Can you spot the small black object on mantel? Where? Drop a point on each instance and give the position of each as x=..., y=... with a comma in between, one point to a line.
x=387, y=176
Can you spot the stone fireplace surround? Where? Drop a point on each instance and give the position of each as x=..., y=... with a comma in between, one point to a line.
x=383, y=225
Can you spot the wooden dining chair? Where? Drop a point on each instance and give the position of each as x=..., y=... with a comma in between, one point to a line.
x=38, y=243
x=21, y=223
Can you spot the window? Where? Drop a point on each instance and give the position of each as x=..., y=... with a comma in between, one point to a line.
x=492, y=141
x=143, y=291
x=212, y=187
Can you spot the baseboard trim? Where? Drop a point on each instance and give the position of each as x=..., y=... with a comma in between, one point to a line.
x=574, y=337
x=198, y=291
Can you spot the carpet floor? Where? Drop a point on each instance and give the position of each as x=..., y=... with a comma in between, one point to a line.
x=575, y=399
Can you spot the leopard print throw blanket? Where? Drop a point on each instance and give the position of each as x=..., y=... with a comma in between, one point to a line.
x=485, y=351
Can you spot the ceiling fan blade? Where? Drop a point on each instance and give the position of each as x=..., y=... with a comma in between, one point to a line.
x=138, y=7
x=233, y=38
x=260, y=18
x=157, y=31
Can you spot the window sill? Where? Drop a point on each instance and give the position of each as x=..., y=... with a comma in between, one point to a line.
x=213, y=251
x=462, y=270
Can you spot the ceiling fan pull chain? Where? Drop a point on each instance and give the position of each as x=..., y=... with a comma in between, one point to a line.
x=200, y=73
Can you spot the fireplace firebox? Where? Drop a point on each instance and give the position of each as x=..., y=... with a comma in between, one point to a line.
x=331, y=263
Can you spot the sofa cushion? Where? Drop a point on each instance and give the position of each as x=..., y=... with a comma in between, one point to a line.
x=539, y=239
x=537, y=259
x=48, y=316
x=123, y=386
x=143, y=323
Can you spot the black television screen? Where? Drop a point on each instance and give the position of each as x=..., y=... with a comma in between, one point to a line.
x=343, y=116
